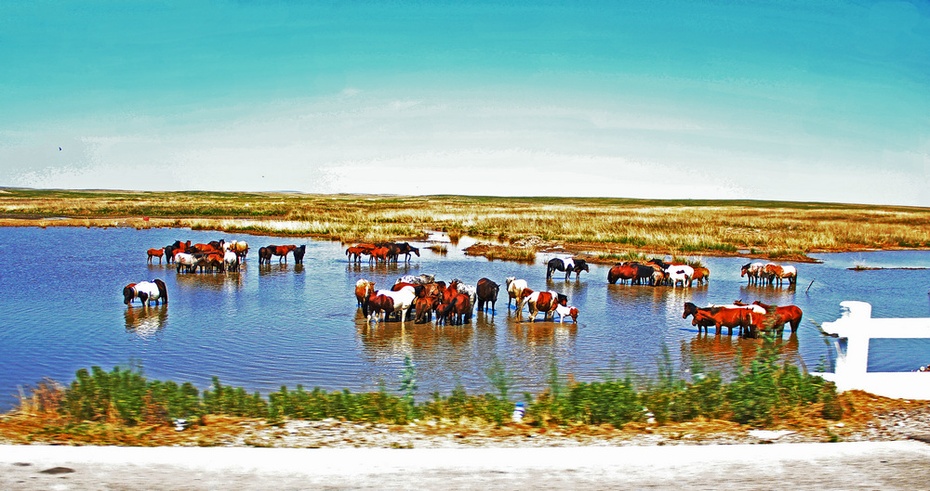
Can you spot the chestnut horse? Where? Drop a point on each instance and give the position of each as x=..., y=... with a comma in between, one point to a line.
x=745, y=318
x=155, y=253
x=281, y=251
x=355, y=254
x=363, y=288
x=774, y=271
x=701, y=275
x=146, y=291
x=622, y=272
x=777, y=316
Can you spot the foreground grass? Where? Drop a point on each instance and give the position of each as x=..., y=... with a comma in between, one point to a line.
x=777, y=230
x=124, y=407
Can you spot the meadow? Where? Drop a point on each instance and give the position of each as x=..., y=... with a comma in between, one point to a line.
x=608, y=227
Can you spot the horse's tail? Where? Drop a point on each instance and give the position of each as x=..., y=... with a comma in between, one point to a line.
x=162, y=290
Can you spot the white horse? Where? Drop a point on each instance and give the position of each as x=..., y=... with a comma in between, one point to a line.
x=402, y=299
x=231, y=261
x=188, y=261
x=515, y=289
x=568, y=310
x=680, y=272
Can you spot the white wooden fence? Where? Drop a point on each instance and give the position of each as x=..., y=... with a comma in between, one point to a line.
x=854, y=329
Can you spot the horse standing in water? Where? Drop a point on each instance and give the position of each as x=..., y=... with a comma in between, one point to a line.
x=486, y=292
x=281, y=251
x=569, y=265
x=155, y=253
x=515, y=289
x=299, y=254
x=146, y=291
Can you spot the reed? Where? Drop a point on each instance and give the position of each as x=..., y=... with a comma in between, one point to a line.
x=784, y=230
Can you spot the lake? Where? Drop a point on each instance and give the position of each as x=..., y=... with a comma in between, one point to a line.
x=61, y=309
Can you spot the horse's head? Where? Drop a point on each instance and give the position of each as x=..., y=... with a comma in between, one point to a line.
x=129, y=292
x=581, y=265
x=690, y=309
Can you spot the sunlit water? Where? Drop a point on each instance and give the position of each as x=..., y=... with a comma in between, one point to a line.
x=61, y=309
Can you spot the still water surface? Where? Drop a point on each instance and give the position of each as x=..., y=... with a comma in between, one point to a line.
x=61, y=310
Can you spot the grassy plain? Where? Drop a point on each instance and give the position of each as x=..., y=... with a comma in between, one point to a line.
x=610, y=227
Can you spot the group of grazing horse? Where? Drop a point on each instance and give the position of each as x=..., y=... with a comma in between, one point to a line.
x=568, y=265
x=547, y=302
x=769, y=274
x=424, y=298
x=751, y=319
x=146, y=292
x=216, y=256
x=266, y=253
x=656, y=272
x=382, y=252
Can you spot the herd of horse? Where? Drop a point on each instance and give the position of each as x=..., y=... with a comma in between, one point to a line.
x=656, y=272
x=381, y=252
x=751, y=319
x=424, y=298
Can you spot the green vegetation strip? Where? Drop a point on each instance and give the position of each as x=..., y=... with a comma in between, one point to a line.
x=768, y=392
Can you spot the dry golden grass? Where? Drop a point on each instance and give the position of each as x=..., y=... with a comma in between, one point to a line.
x=778, y=230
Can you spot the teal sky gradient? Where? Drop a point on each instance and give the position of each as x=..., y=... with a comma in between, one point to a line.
x=808, y=101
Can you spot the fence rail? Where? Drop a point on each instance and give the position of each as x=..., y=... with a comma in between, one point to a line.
x=853, y=330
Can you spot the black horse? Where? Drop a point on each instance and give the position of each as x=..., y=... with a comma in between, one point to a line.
x=299, y=254
x=570, y=266
x=486, y=292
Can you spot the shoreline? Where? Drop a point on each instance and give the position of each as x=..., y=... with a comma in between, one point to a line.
x=585, y=250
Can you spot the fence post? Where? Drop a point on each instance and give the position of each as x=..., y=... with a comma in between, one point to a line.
x=852, y=343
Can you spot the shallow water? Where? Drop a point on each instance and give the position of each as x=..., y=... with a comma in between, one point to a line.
x=61, y=309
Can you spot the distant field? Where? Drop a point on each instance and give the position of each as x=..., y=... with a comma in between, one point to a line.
x=772, y=229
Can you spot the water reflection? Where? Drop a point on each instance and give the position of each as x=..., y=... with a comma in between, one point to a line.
x=146, y=321
x=210, y=281
x=723, y=353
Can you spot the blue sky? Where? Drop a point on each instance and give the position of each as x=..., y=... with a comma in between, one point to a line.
x=794, y=100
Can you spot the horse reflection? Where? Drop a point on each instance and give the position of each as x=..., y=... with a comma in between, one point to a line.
x=721, y=353
x=546, y=333
x=391, y=336
x=146, y=322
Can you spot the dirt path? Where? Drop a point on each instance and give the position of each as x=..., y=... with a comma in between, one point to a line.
x=865, y=465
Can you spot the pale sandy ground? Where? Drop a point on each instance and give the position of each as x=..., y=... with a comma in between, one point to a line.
x=797, y=466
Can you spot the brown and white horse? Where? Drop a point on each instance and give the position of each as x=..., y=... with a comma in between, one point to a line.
x=146, y=291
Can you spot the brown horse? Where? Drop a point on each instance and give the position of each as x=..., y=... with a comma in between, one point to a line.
x=486, y=292
x=379, y=255
x=622, y=272
x=155, y=253
x=362, y=289
x=264, y=255
x=701, y=275
x=280, y=251
x=778, y=316
x=729, y=317
x=354, y=254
